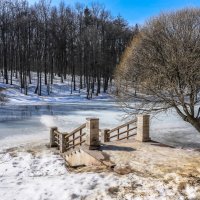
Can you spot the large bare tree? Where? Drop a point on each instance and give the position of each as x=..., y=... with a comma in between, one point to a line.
x=161, y=67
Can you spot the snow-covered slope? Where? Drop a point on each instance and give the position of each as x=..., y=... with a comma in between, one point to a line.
x=60, y=94
x=37, y=173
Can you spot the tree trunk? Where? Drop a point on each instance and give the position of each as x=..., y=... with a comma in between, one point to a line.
x=195, y=123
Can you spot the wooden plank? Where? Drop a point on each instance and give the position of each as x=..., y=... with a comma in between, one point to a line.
x=113, y=136
x=57, y=132
x=75, y=145
x=76, y=130
x=127, y=137
x=73, y=139
x=57, y=137
x=76, y=138
x=122, y=126
x=57, y=142
x=128, y=130
x=118, y=134
x=81, y=135
x=122, y=132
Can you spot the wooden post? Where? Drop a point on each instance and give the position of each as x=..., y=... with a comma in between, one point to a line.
x=80, y=137
x=92, y=133
x=66, y=142
x=105, y=135
x=118, y=133
x=127, y=131
x=143, y=128
x=62, y=147
x=52, y=137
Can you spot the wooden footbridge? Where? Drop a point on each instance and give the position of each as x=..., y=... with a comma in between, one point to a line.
x=83, y=145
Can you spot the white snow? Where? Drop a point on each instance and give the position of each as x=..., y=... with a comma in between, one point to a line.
x=41, y=174
x=60, y=92
x=191, y=192
x=47, y=120
x=38, y=173
x=44, y=176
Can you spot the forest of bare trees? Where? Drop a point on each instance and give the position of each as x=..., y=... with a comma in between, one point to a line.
x=81, y=42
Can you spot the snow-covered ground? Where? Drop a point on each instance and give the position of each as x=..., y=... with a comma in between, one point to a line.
x=60, y=92
x=33, y=172
x=39, y=174
x=29, y=170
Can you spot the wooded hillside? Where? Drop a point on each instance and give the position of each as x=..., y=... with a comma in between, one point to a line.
x=80, y=41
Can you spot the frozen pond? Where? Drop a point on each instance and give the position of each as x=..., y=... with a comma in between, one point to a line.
x=26, y=123
x=31, y=123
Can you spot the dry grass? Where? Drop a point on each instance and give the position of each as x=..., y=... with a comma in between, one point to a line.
x=113, y=190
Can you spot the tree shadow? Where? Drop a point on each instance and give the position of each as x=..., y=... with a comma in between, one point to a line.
x=155, y=143
x=108, y=147
x=178, y=144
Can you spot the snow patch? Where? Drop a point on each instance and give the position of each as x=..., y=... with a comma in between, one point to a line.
x=191, y=192
x=47, y=120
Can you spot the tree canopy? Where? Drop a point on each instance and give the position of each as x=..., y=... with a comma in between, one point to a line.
x=161, y=67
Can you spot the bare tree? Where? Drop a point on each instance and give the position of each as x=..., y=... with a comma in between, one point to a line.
x=84, y=42
x=2, y=96
x=163, y=65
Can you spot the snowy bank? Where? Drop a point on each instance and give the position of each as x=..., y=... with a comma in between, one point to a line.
x=35, y=172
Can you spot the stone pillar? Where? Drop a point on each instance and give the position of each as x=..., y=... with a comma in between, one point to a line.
x=92, y=133
x=105, y=135
x=143, y=128
x=52, y=136
x=62, y=143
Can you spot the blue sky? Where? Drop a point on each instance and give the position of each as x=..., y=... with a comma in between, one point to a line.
x=137, y=11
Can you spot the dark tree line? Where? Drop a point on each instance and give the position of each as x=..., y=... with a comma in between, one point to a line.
x=81, y=42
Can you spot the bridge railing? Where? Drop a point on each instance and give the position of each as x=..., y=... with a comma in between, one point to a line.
x=66, y=141
x=75, y=138
x=124, y=131
x=89, y=133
